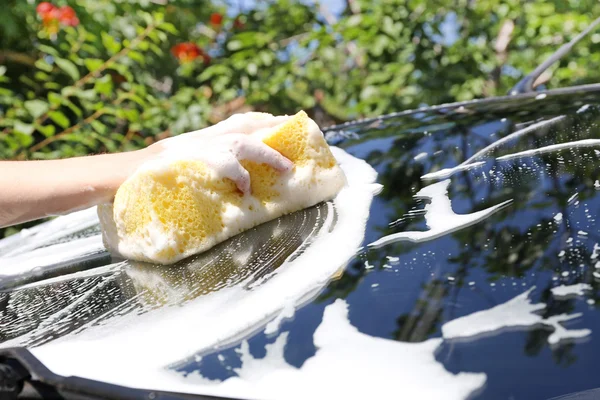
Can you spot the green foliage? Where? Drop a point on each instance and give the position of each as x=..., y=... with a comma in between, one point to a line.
x=111, y=83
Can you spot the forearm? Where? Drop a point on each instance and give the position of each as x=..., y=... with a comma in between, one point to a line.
x=36, y=189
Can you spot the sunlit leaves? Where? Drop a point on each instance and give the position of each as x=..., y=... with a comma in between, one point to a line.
x=116, y=72
x=36, y=107
x=59, y=118
x=110, y=43
x=68, y=67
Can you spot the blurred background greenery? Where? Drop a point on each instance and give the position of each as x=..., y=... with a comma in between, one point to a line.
x=88, y=76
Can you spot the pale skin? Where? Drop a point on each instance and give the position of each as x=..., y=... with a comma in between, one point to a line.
x=31, y=190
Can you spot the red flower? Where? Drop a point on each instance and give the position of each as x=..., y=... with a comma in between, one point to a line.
x=188, y=52
x=45, y=9
x=216, y=19
x=52, y=16
x=67, y=16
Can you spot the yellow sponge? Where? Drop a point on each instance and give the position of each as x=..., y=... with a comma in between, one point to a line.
x=165, y=214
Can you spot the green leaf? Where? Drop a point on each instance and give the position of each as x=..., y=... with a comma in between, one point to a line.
x=25, y=139
x=155, y=49
x=68, y=91
x=135, y=98
x=234, y=45
x=137, y=56
x=168, y=27
x=41, y=76
x=104, y=85
x=147, y=18
x=76, y=110
x=54, y=99
x=158, y=16
x=89, y=94
x=98, y=126
x=43, y=65
x=92, y=64
x=23, y=128
x=48, y=49
x=52, y=85
x=46, y=130
x=36, y=107
x=131, y=114
x=90, y=49
x=68, y=67
x=59, y=118
x=214, y=70
x=110, y=43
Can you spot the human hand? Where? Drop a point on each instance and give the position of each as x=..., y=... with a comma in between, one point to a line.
x=225, y=144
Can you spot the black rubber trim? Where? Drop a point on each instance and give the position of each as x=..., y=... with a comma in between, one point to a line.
x=23, y=376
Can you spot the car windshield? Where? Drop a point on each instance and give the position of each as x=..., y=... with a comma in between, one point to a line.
x=461, y=261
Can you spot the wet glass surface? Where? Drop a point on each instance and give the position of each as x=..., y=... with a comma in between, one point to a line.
x=546, y=235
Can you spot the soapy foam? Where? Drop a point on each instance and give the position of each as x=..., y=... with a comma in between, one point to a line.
x=448, y=172
x=45, y=258
x=45, y=233
x=439, y=216
x=565, y=291
x=337, y=370
x=518, y=312
x=128, y=343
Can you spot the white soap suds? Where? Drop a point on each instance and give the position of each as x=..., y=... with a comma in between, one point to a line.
x=41, y=235
x=518, y=312
x=595, y=251
x=347, y=364
x=128, y=343
x=448, y=172
x=558, y=217
x=285, y=314
x=564, y=291
x=551, y=148
x=439, y=216
x=46, y=257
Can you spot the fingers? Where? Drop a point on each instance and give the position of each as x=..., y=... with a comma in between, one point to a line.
x=224, y=162
x=238, y=174
x=252, y=149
